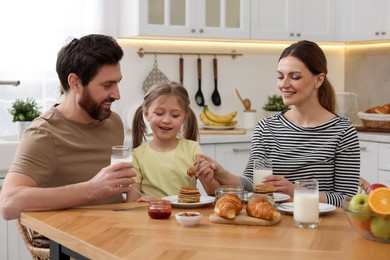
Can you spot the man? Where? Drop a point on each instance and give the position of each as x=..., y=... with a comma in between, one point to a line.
x=63, y=159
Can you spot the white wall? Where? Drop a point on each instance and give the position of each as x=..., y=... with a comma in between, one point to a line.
x=253, y=74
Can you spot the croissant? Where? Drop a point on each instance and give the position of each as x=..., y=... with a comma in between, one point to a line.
x=228, y=206
x=261, y=208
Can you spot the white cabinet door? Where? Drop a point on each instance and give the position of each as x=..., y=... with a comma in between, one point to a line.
x=293, y=20
x=384, y=156
x=233, y=156
x=384, y=177
x=3, y=239
x=11, y=244
x=185, y=18
x=369, y=161
x=366, y=20
x=384, y=163
x=208, y=149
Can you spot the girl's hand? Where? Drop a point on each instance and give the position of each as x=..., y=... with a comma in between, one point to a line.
x=281, y=183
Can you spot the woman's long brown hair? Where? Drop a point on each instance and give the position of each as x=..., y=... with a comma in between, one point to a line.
x=314, y=58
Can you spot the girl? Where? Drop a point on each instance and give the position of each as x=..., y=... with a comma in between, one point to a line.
x=162, y=163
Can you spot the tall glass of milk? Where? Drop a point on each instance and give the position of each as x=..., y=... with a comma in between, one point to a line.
x=261, y=169
x=306, y=203
x=121, y=153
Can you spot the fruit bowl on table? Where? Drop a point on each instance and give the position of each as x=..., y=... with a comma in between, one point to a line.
x=372, y=226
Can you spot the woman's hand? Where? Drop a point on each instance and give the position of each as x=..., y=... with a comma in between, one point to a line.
x=281, y=183
x=205, y=167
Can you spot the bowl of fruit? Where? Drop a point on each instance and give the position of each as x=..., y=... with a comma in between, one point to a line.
x=369, y=213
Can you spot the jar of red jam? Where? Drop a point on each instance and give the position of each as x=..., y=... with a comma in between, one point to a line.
x=159, y=209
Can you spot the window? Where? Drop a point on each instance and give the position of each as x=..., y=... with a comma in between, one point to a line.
x=32, y=33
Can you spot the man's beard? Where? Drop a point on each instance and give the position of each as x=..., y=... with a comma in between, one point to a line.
x=94, y=109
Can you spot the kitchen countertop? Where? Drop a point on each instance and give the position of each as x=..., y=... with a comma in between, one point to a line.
x=216, y=138
x=374, y=137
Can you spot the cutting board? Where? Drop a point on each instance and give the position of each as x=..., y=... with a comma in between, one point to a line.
x=243, y=219
x=235, y=131
x=361, y=128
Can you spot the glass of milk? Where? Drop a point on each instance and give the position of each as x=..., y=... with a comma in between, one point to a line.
x=306, y=203
x=261, y=169
x=121, y=153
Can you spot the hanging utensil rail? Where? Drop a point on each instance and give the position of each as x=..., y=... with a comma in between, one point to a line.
x=141, y=52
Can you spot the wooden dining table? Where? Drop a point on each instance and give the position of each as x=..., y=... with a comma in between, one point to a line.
x=99, y=232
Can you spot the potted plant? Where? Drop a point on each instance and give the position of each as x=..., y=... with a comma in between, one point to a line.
x=23, y=112
x=274, y=104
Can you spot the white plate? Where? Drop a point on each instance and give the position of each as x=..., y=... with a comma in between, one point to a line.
x=288, y=207
x=278, y=197
x=219, y=127
x=204, y=201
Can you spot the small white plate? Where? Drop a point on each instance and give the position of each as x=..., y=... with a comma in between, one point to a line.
x=278, y=197
x=204, y=201
x=288, y=207
x=219, y=127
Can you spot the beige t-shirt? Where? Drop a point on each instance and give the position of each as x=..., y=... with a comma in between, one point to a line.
x=163, y=173
x=56, y=151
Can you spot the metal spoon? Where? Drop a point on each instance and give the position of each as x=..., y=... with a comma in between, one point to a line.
x=215, y=97
x=199, y=95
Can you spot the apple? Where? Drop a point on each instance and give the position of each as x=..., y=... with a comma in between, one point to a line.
x=359, y=203
x=380, y=227
x=363, y=225
x=374, y=186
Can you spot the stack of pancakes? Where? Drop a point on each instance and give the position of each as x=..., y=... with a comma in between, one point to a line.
x=188, y=194
x=265, y=189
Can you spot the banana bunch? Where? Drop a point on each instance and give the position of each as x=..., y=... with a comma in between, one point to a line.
x=209, y=118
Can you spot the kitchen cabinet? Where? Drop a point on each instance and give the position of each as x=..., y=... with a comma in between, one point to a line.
x=384, y=163
x=11, y=244
x=369, y=161
x=293, y=20
x=375, y=164
x=185, y=18
x=366, y=20
x=232, y=156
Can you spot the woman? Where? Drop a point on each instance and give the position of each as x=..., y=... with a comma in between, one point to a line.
x=309, y=140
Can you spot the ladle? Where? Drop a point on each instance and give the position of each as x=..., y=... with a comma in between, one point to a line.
x=199, y=95
x=215, y=97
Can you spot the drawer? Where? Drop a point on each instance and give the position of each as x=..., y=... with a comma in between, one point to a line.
x=384, y=156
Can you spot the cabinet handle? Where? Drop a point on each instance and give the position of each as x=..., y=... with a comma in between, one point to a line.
x=201, y=30
x=237, y=150
x=377, y=33
x=193, y=30
x=298, y=35
x=362, y=148
x=383, y=33
x=292, y=34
